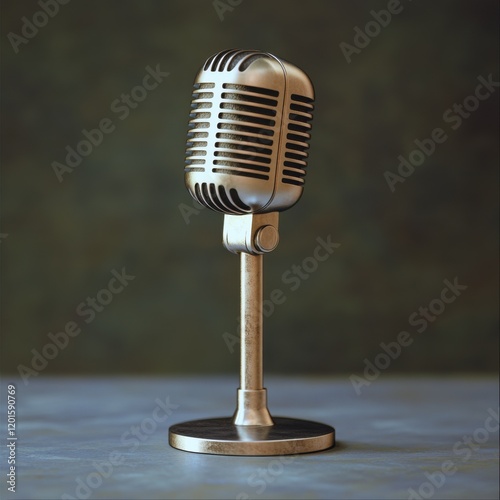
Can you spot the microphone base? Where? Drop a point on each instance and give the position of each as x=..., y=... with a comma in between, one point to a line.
x=219, y=436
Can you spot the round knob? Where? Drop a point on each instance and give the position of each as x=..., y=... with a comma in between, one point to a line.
x=266, y=239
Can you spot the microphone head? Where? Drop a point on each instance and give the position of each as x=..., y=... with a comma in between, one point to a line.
x=248, y=133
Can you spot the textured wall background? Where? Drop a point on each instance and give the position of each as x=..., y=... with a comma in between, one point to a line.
x=121, y=206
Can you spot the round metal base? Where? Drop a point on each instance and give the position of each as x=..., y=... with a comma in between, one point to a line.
x=220, y=436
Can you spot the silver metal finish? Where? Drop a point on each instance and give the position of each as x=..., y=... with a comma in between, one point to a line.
x=267, y=238
x=251, y=408
x=251, y=321
x=252, y=398
x=248, y=133
x=246, y=157
x=219, y=437
x=251, y=233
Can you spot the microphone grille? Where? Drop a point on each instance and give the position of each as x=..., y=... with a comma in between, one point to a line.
x=248, y=133
x=297, y=139
x=243, y=144
x=199, y=124
x=245, y=123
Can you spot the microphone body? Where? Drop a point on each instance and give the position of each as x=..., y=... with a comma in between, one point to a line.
x=248, y=133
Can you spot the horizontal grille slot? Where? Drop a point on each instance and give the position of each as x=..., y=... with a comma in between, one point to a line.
x=194, y=146
x=197, y=152
x=241, y=173
x=305, y=128
x=245, y=128
x=299, y=107
x=199, y=144
x=200, y=105
x=196, y=135
x=247, y=118
x=246, y=138
x=295, y=182
x=248, y=109
x=194, y=124
x=300, y=118
x=296, y=137
x=302, y=98
x=250, y=88
x=243, y=147
x=241, y=164
x=199, y=115
x=295, y=173
x=297, y=147
x=250, y=98
x=294, y=164
x=295, y=156
x=207, y=85
x=240, y=156
x=202, y=95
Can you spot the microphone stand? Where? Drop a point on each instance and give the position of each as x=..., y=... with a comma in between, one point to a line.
x=251, y=430
x=252, y=398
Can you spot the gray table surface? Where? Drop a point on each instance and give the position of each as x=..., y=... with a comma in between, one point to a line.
x=72, y=430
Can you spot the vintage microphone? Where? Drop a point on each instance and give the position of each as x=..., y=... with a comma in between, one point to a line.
x=246, y=157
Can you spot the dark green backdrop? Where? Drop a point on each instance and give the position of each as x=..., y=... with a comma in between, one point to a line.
x=122, y=206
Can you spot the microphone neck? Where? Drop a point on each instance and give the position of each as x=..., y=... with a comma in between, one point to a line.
x=254, y=234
